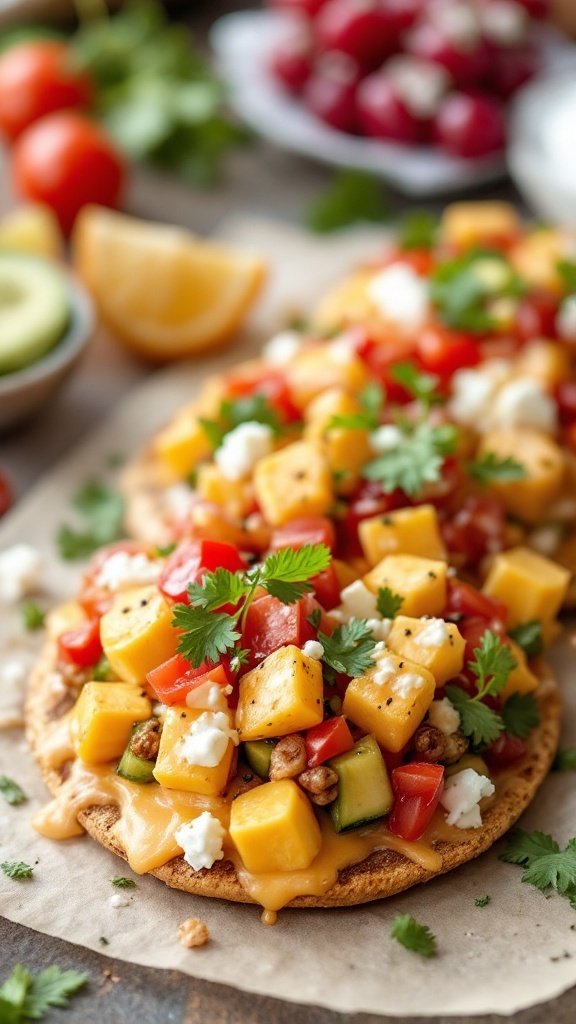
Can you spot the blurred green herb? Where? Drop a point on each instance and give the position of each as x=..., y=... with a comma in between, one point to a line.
x=103, y=511
x=352, y=197
x=418, y=230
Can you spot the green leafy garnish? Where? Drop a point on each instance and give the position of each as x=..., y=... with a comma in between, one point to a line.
x=233, y=412
x=123, y=883
x=163, y=550
x=546, y=865
x=418, y=230
x=103, y=510
x=418, y=460
x=493, y=662
x=102, y=671
x=348, y=650
x=371, y=400
x=352, y=196
x=491, y=468
x=567, y=271
x=482, y=901
x=464, y=288
x=565, y=760
x=104, y=941
x=528, y=636
x=388, y=603
x=477, y=721
x=520, y=714
x=421, y=386
x=25, y=996
x=240, y=657
x=32, y=616
x=17, y=869
x=11, y=791
x=208, y=633
x=315, y=618
x=413, y=935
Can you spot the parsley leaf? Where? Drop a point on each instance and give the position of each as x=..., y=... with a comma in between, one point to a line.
x=123, y=883
x=51, y=987
x=492, y=665
x=418, y=230
x=546, y=865
x=315, y=618
x=233, y=412
x=491, y=468
x=17, y=869
x=103, y=510
x=421, y=386
x=418, y=460
x=477, y=721
x=371, y=400
x=528, y=636
x=206, y=635
x=463, y=289
x=482, y=901
x=32, y=616
x=11, y=791
x=413, y=935
x=565, y=760
x=520, y=714
x=217, y=588
x=286, y=574
x=349, y=649
x=388, y=603
x=352, y=196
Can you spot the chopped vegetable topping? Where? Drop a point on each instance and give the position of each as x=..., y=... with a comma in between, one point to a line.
x=416, y=461
x=528, y=636
x=413, y=935
x=482, y=901
x=234, y=412
x=123, y=883
x=492, y=665
x=420, y=386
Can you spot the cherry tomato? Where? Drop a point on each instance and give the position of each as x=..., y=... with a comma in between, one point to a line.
x=536, y=316
x=291, y=63
x=306, y=530
x=307, y=8
x=66, y=161
x=38, y=78
x=359, y=29
x=464, y=599
x=417, y=790
x=81, y=646
x=443, y=351
x=505, y=750
x=465, y=62
x=512, y=68
x=330, y=738
x=330, y=93
x=172, y=681
x=382, y=113
x=192, y=560
x=5, y=494
x=469, y=125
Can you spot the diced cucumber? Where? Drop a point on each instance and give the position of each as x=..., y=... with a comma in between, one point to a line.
x=132, y=767
x=258, y=754
x=364, y=790
x=34, y=309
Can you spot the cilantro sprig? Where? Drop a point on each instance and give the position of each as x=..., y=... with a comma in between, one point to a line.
x=17, y=869
x=121, y=882
x=493, y=662
x=423, y=387
x=464, y=288
x=348, y=650
x=388, y=603
x=103, y=511
x=371, y=400
x=233, y=412
x=414, y=936
x=490, y=468
x=417, y=460
x=545, y=865
x=208, y=633
x=528, y=636
x=25, y=996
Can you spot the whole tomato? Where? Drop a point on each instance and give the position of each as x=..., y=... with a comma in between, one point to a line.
x=38, y=78
x=66, y=161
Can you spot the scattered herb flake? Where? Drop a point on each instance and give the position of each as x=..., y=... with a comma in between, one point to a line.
x=17, y=869
x=371, y=400
x=103, y=510
x=11, y=791
x=123, y=883
x=419, y=385
x=413, y=935
x=418, y=230
x=104, y=941
x=528, y=636
x=565, y=760
x=102, y=670
x=492, y=665
x=482, y=901
x=32, y=616
x=388, y=603
x=25, y=996
x=490, y=468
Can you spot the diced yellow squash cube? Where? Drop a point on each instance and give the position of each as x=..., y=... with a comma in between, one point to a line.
x=295, y=481
x=531, y=586
x=280, y=696
x=274, y=828
x=420, y=582
x=391, y=700
x=521, y=678
x=406, y=531
x=235, y=496
x=174, y=771
x=434, y=643
x=545, y=361
x=536, y=256
x=103, y=717
x=347, y=449
x=348, y=302
x=345, y=573
x=183, y=443
x=314, y=370
x=529, y=497
x=333, y=402
x=471, y=223
x=137, y=633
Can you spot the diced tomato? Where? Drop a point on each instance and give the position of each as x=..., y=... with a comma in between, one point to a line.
x=443, y=351
x=327, y=587
x=536, y=316
x=417, y=790
x=476, y=529
x=192, y=560
x=307, y=530
x=571, y=436
x=270, y=624
x=380, y=355
x=566, y=401
x=272, y=385
x=464, y=599
x=172, y=681
x=81, y=646
x=96, y=600
x=328, y=739
x=505, y=750
x=5, y=493
x=421, y=260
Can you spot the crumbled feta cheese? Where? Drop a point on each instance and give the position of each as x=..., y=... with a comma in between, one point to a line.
x=406, y=684
x=546, y=539
x=566, y=319
x=524, y=403
x=386, y=438
x=472, y=391
x=242, y=448
x=179, y=500
x=206, y=741
x=503, y=22
x=401, y=296
x=443, y=716
x=461, y=796
x=357, y=602
x=20, y=568
x=313, y=649
x=12, y=674
x=123, y=570
x=282, y=348
x=209, y=695
x=344, y=348
x=434, y=634
x=119, y=900
x=201, y=840
x=385, y=668
x=419, y=83
x=380, y=628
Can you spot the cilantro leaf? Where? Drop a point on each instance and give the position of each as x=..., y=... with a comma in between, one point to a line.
x=527, y=847
x=463, y=288
x=11, y=791
x=477, y=721
x=123, y=883
x=482, y=901
x=32, y=616
x=565, y=760
x=371, y=400
x=491, y=468
x=216, y=589
x=546, y=865
x=413, y=935
x=240, y=657
x=315, y=618
x=351, y=197
x=520, y=714
x=17, y=869
x=388, y=603
x=492, y=665
x=567, y=271
x=349, y=649
x=418, y=230
x=418, y=460
x=233, y=412
x=286, y=574
x=13, y=994
x=421, y=386
x=103, y=510
x=51, y=987
x=528, y=636
x=206, y=635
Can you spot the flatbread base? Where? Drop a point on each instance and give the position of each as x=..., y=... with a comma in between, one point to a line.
x=384, y=873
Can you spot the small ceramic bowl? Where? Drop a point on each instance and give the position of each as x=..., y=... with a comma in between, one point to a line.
x=24, y=392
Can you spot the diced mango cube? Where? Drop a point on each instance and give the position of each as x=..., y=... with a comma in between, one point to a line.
x=347, y=449
x=531, y=586
x=434, y=643
x=183, y=443
x=471, y=223
x=137, y=633
x=529, y=497
x=420, y=582
x=521, y=678
x=274, y=828
x=295, y=481
x=174, y=771
x=348, y=302
x=235, y=496
x=390, y=700
x=102, y=719
x=280, y=696
x=410, y=531
x=314, y=370
x=536, y=256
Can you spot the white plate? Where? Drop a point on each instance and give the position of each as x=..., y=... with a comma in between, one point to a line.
x=243, y=42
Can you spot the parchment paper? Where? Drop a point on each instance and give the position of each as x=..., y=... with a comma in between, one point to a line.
x=517, y=951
